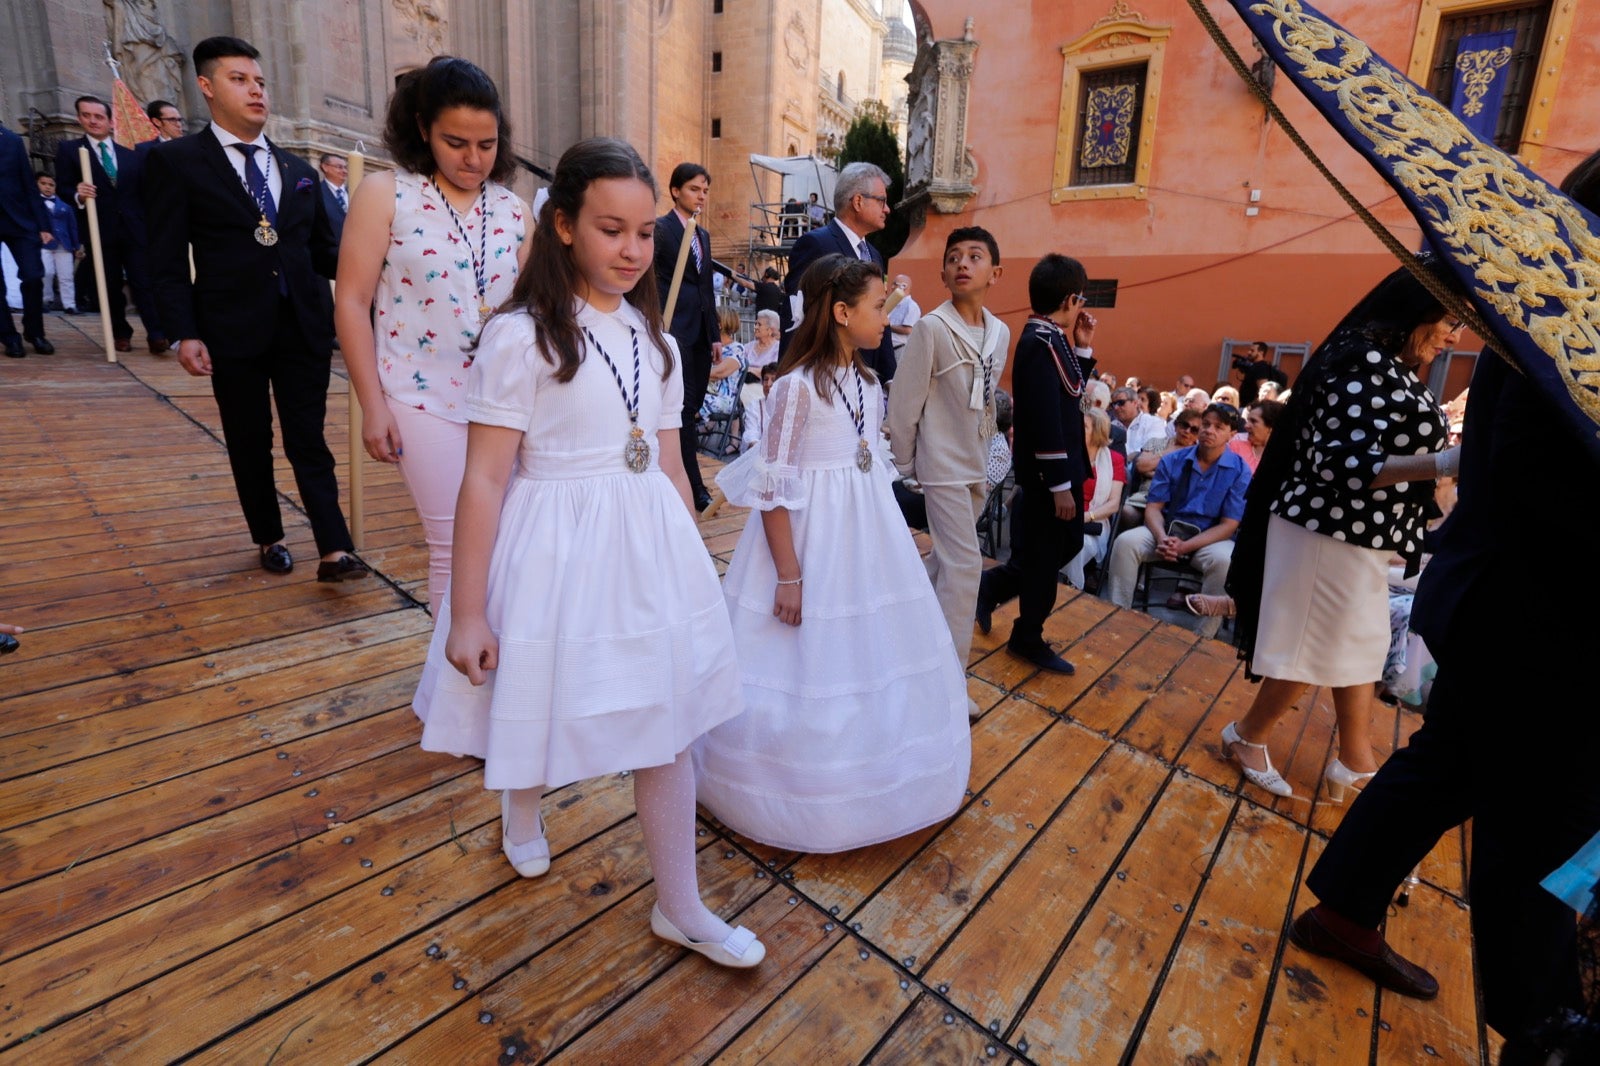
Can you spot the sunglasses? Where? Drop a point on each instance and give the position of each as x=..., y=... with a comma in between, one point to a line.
x=1185, y=427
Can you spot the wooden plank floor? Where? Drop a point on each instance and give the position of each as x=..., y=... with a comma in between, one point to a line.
x=219, y=841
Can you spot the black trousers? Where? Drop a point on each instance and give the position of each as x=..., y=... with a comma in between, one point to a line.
x=696, y=379
x=30, y=278
x=124, y=258
x=1511, y=740
x=296, y=377
x=1041, y=544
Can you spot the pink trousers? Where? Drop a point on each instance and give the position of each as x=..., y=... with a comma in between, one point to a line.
x=432, y=462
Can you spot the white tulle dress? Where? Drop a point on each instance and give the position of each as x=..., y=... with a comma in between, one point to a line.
x=855, y=726
x=615, y=649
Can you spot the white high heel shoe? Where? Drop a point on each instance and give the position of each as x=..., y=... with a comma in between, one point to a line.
x=1269, y=778
x=531, y=858
x=1339, y=779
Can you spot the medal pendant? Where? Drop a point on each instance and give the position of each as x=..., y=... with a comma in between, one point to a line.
x=636, y=453
x=266, y=236
x=864, y=456
x=986, y=426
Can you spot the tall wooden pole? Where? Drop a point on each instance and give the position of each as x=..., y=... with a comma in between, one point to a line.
x=93, y=207
x=358, y=452
x=671, y=305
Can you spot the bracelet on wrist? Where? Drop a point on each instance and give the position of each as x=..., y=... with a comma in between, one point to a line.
x=796, y=581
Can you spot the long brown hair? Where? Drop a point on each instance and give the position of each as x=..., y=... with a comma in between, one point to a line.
x=547, y=288
x=816, y=345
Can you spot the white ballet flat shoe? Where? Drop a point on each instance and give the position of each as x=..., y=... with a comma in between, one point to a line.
x=739, y=952
x=1339, y=779
x=1269, y=778
x=531, y=858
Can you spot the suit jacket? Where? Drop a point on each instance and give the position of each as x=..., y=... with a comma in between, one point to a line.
x=330, y=204
x=770, y=297
x=22, y=210
x=1048, y=420
x=120, y=211
x=194, y=198
x=693, y=322
x=830, y=240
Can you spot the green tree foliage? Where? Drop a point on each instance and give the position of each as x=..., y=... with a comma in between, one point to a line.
x=870, y=140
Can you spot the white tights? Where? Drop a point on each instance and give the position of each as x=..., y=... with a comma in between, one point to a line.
x=664, y=799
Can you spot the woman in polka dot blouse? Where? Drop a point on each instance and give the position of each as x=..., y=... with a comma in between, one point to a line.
x=1346, y=482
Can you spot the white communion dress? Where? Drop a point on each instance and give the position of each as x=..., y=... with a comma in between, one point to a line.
x=615, y=648
x=855, y=726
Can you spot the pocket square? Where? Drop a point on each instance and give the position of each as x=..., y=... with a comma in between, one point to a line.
x=304, y=183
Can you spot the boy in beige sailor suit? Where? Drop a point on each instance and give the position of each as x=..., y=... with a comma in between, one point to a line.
x=942, y=414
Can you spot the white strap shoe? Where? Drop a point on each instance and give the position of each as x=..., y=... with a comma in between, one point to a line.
x=1340, y=779
x=1269, y=778
x=531, y=858
x=740, y=951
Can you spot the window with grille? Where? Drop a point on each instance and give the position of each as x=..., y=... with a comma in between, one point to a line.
x=1110, y=113
x=1527, y=22
x=1101, y=292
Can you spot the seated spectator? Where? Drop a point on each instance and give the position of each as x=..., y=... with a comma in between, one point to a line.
x=1195, y=502
x=794, y=214
x=817, y=214
x=1259, y=418
x=999, y=461
x=1168, y=407
x=1138, y=424
x=762, y=351
x=1109, y=378
x=1270, y=390
x=1102, y=493
x=755, y=416
x=1133, y=383
x=727, y=371
x=1196, y=400
x=1227, y=394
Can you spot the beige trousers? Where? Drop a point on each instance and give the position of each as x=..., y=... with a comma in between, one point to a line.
x=956, y=564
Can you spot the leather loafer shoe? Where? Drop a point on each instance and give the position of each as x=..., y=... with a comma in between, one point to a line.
x=159, y=346
x=14, y=348
x=122, y=344
x=344, y=568
x=275, y=559
x=1387, y=967
x=702, y=500
x=1044, y=657
x=42, y=346
x=985, y=615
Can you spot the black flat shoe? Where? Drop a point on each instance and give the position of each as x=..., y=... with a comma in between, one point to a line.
x=275, y=559
x=702, y=500
x=1387, y=967
x=14, y=348
x=985, y=615
x=8, y=643
x=344, y=568
x=42, y=346
x=1044, y=657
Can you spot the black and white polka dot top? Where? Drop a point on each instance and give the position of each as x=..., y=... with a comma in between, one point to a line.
x=1363, y=413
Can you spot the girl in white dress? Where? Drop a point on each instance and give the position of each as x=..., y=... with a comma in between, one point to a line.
x=855, y=725
x=428, y=250
x=584, y=632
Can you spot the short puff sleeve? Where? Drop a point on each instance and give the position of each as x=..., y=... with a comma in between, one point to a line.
x=671, y=387
x=504, y=374
x=768, y=476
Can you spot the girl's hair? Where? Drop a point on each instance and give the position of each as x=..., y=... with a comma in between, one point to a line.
x=816, y=345
x=728, y=321
x=547, y=288
x=1099, y=427
x=420, y=95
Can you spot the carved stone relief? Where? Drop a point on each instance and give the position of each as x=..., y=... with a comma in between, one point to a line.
x=425, y=22
x=151, y=61
x=940, y=170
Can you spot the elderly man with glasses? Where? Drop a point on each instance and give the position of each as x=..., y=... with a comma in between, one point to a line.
x=1141, y=426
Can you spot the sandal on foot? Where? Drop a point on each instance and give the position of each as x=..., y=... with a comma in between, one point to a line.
x=1269, y=778
x=1207, y=606
x=740, y=951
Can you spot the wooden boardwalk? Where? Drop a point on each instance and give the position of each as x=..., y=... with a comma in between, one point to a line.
x=219, y=840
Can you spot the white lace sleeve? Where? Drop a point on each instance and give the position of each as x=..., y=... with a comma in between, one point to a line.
x=768, y=476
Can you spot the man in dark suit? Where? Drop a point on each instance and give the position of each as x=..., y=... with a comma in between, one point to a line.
x=167, y=120
x=112, y=183
x=1509, y=740
x=860, y=208
x=257, y=315
x=24, y=227
x=693, y=320
x=1053, y=360
x=335, y=197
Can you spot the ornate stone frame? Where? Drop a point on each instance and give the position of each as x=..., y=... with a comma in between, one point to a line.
x=940, y=169
x=1558, y=30
x=1119, y=38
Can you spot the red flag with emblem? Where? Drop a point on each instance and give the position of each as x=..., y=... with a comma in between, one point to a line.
x=132, y=126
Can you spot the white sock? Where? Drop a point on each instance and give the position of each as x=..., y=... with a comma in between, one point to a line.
x=664, y=798
x=525, y=823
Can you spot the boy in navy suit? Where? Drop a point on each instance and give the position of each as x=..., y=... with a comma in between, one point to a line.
x=63, y=248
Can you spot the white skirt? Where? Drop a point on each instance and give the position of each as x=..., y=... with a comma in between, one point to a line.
x=615, y=648
x=1324, y=609
x=855, y=728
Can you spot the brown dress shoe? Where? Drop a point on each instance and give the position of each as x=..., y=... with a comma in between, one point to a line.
x=1387, y=967
x=122, y=344
x=159, y=346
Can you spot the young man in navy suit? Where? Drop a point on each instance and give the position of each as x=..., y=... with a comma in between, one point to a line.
x=860, y=208
x=24, y=226
x=693, y=320
x=112, y=183
x=258, y=316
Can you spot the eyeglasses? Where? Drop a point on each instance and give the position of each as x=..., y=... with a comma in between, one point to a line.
x=1185, y=427
x=1119, y=403
x=884, y=200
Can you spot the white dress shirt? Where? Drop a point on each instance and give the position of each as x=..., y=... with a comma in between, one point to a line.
x=236, y=160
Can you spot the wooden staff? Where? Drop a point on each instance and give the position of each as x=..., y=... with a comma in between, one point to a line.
x=93, y=207
x=357, y=476
x=689, y=232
